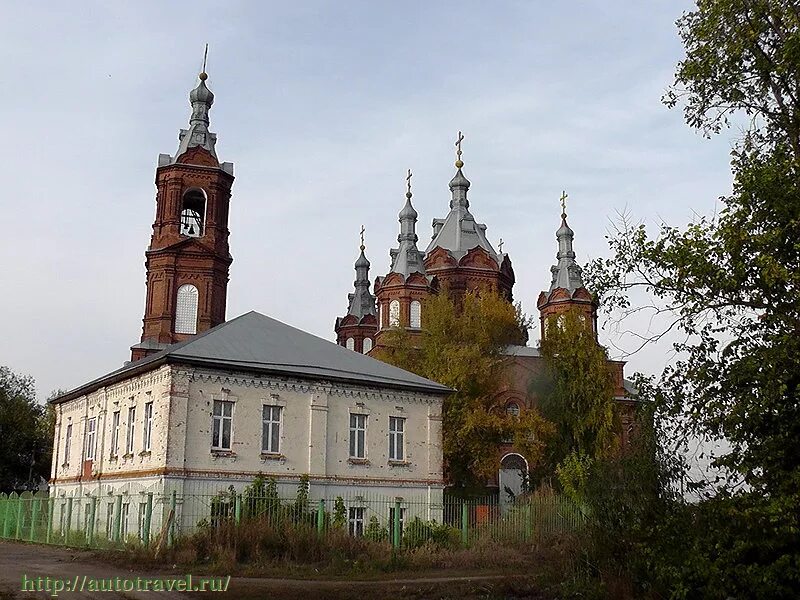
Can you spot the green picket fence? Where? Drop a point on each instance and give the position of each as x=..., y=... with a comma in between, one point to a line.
x=143, y=519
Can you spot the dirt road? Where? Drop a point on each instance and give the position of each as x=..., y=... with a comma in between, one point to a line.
x=23, y=565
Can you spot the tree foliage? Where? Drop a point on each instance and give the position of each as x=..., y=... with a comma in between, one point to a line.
x=26, y=434
x=731, y=284
x=580, y=399
x=462, y=347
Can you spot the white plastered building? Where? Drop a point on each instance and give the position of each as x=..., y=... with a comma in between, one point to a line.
x=251, y=396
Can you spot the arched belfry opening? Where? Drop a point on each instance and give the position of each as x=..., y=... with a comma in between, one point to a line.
x=193, y=213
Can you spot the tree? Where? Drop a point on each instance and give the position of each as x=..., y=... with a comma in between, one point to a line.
x=731, y=284
x=462, y=347
x=578, y=397
x=26, y=434
x=581, y=401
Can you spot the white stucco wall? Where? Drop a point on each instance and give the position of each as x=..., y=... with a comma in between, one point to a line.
x=314, y=441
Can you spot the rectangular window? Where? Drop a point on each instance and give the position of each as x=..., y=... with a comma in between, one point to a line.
x=356, y=521
x=91, y=437
x=223, y=425
x=271, y=429
x=131, y=430
x=124, y=520
x=142, y=513
x=115, y=433
x=67, y=443
x=358, y=434
x=148, y=426
x=397, y=427
x=109, y=520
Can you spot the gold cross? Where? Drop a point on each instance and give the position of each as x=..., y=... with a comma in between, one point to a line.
x=408, y=184
x=563, y=199
x=459, y=162
x=362, y=237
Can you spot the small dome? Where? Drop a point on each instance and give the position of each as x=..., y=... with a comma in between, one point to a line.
x=564, y=230
x=201, y=94
x=408, y=211
x=362, y=261
x=459, y=181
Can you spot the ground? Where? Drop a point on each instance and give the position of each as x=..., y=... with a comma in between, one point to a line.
x=18, y=560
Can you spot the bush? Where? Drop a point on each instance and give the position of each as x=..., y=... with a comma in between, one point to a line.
x=419, y=533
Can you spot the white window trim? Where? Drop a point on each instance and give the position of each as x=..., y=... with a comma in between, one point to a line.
x=187, y=323
x=279, y=423
x=393, y=434
x=352, y=520
x=352, y=431
x=411, y=322
x=147, y=427
x=116, y=418
x=90, y=441
x=222, y=417
x=67, y=442
x=394, y=321
x=130, y=427
x=367, y=341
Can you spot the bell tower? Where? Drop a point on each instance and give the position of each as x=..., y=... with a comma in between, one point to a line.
x=188, y=259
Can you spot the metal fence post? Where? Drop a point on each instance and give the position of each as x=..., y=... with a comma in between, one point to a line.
x=34, y=514
x=237, y=509
x=321, y=517
x=464, y=523
x=118, y=518
x=68, y=521
x=396, y=524
x=50, y=507
x=92, y=513
x=20, y=503
x=148, y=515
x=3, y=514
x=173, y=505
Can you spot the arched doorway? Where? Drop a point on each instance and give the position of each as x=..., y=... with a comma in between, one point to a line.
x=511, y=478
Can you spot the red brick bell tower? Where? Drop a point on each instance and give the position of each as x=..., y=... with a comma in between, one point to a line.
x=188, y=259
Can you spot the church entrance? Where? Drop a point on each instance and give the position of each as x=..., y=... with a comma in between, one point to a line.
x=511, y=478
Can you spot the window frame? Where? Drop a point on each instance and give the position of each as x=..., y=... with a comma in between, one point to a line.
x=90, y=439
x=268, y=426
x=367, y=340
x=147, y=427
x=350, y=343
x=115, y=421
x=218, y=432
x=67, y=443
x=184, y=324
x=355, y=520
x=394, y=319
x=397, y=442
x=415, y=304
x=358, y=433
x=130, y=442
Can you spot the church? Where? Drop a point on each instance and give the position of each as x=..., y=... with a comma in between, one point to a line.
x=459, y=259
x=207, y=403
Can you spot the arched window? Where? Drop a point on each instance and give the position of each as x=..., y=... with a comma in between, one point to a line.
x=367, y=345
x=416, y=314
x=193, y=213
x=351, y=344
x=512, y=409
x=186, y=310
x=394, y=313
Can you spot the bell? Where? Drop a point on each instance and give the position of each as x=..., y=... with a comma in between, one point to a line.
x=191, y=229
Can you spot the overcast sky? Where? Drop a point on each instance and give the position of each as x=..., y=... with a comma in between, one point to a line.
x=322, y=106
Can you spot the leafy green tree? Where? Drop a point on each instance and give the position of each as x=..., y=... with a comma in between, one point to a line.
x=26, y=434
x=462, y=347
x=732, y=285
